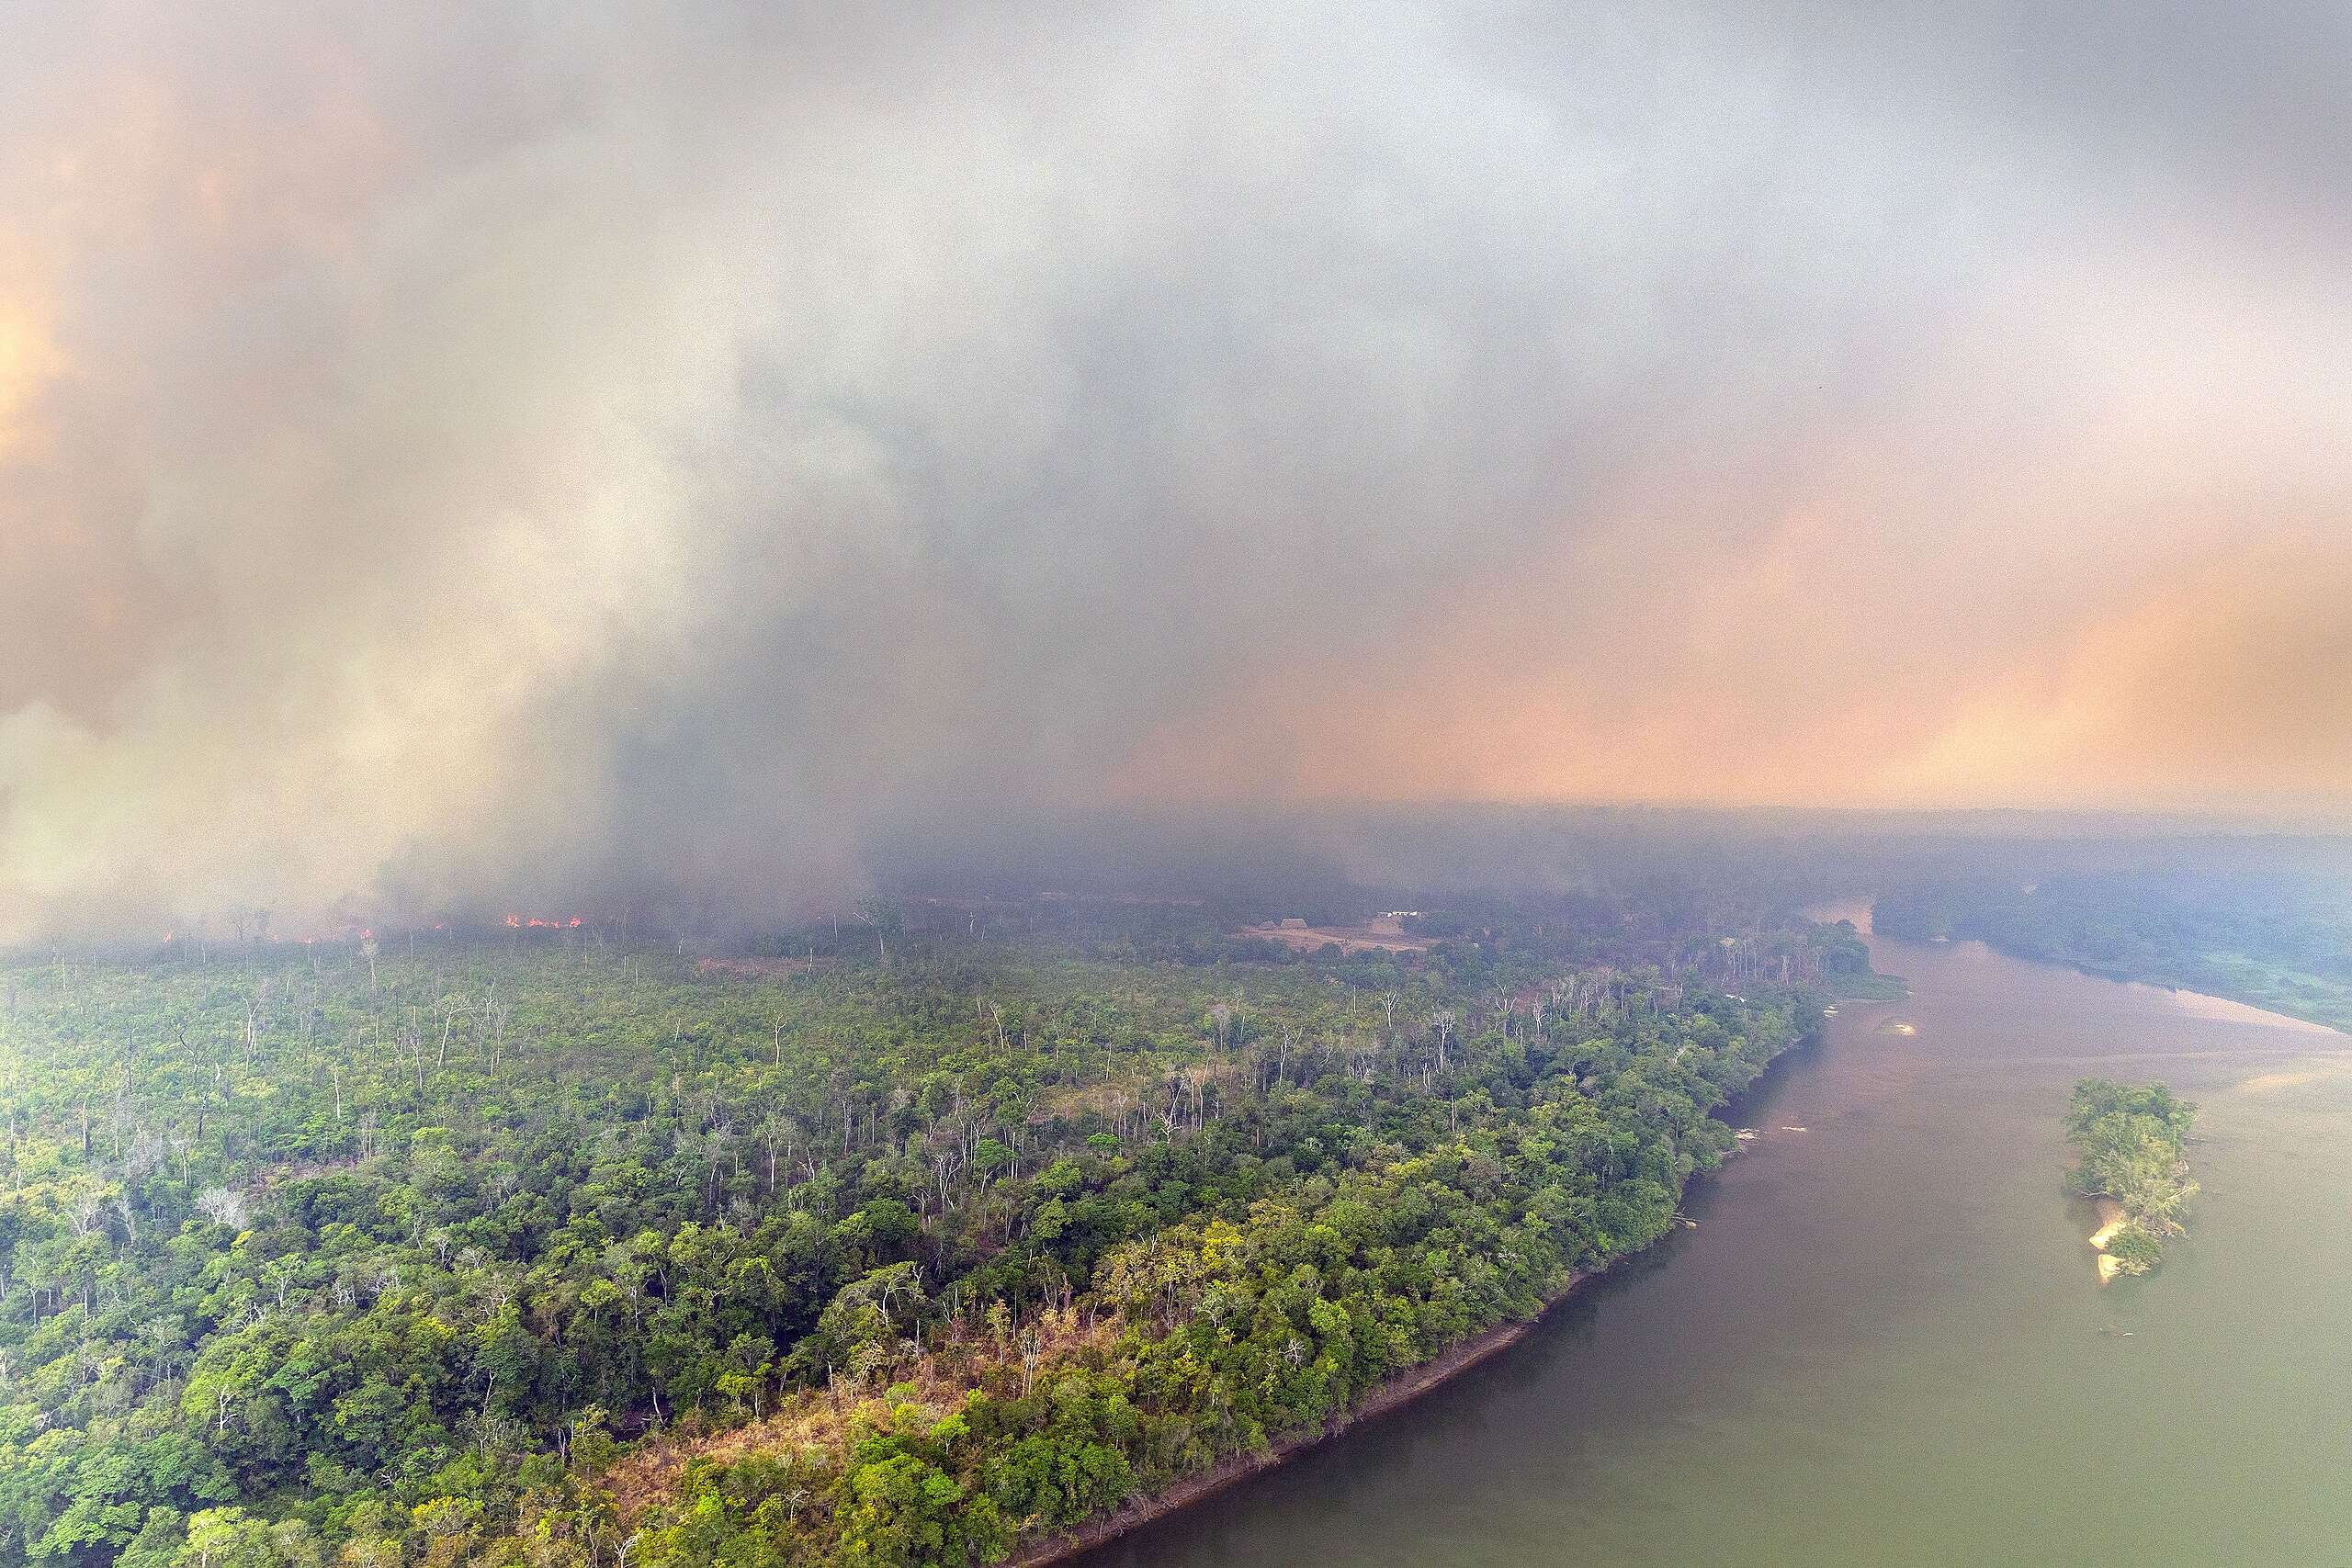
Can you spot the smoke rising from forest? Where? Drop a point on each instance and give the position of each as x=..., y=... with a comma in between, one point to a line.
x=456, y=451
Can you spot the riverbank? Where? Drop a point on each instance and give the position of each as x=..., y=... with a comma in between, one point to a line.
x=2201, y=953
x=2111, y=1220
x=1396, y=1393
x=957, y=1450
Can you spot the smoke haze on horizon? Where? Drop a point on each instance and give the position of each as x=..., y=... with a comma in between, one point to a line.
x=510, y=451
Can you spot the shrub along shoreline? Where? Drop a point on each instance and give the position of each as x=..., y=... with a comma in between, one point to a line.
x=1396, y=1392
x=1393, y=1394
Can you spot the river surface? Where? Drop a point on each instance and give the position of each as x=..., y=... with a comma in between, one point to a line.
x=1885, y=1343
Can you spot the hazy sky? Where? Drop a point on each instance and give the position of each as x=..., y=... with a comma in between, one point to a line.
x=506, y=448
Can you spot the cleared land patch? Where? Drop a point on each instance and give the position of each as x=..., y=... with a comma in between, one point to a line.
x=1386, y=933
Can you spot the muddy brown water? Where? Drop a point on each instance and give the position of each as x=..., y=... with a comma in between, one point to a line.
x=1885, y=1345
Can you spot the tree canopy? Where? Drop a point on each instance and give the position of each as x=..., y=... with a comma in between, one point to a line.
x=568, y=1251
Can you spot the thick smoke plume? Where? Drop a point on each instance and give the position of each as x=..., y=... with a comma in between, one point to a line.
x=518, y=453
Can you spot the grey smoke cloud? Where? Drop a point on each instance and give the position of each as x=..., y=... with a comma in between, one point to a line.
x=515, y=453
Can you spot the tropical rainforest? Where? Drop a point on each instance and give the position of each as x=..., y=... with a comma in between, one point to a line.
x=913, y=1240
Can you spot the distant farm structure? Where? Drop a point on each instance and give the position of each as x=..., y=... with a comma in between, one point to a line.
x=1383, y=933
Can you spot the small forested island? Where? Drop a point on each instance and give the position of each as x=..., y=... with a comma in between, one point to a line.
x=901, y=1242
x=2130, y=1143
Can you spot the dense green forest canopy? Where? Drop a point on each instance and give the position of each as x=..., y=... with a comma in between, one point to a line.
x=889, y=1240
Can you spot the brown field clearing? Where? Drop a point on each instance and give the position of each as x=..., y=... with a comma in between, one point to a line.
x=1383, y=934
